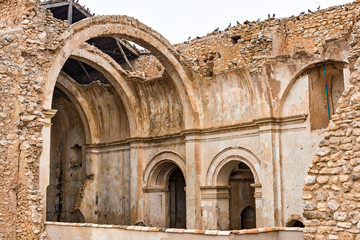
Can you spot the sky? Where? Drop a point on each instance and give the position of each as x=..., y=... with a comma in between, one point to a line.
x=176, y=20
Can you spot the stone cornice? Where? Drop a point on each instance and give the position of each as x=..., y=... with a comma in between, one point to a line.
x=255, y=124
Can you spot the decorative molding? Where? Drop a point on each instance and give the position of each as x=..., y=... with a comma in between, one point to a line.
x=217, y=192
x=255, y=124
x=258, y=190
x=49, y=114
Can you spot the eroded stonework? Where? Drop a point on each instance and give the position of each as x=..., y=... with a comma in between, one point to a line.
x=235, y=116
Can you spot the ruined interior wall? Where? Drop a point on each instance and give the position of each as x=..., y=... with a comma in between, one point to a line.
x=163, y=112
x=231, y=98
x=27, y=50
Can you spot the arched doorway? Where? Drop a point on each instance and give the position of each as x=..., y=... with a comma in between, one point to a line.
x=242, y=201
x=233, y=191
x=165, y=191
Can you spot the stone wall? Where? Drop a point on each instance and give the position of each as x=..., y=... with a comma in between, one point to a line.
x=332, y=188
x=27, y=37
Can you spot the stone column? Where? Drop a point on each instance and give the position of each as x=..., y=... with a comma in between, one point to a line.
x=270, y=170
x=45, y=155
x=136, y=202
x=258, y=204
x=193, y=213
x=215, y=207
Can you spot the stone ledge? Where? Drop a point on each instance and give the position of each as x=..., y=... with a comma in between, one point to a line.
x=178, y=230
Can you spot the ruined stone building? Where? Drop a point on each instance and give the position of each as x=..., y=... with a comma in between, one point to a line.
x=227, y=132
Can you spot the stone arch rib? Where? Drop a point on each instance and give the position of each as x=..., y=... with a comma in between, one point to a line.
x=133, y=30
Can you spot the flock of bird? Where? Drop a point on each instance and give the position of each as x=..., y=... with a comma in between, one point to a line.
x=217, y=30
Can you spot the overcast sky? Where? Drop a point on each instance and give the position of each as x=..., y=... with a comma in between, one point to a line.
x=176, y=20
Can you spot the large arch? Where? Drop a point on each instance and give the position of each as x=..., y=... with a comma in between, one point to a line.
x=133, y=30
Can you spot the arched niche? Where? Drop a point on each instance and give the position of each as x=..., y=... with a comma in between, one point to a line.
x=164, y=191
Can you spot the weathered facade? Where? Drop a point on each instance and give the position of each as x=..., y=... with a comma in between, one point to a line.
x=217, y=133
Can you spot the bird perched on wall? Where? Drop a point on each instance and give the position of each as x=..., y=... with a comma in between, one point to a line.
x=302, y=13
x=318, y=8
x=273, y=15
x=198, y=37
x=258, y=20
x=309, y=11
x=268, y=15
x=189, y=38
x=237, y=22
x=217, y=29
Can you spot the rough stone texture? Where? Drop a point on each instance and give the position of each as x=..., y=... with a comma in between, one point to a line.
x=245, y=95
x=339, y=210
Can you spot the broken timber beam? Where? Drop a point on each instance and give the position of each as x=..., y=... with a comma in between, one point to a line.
x=123, y=53
x=85, y=71
x=70, y=11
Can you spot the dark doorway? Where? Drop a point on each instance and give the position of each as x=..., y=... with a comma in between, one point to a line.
x=295, y=223
x=248, y=219
x=177, y=199
x=242, y=201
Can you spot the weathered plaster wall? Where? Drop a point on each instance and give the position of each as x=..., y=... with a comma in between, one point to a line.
x=60, y=231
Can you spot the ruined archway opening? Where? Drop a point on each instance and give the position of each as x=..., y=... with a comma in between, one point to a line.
x=67, y=162
x=242, y=207
x=87, y=186
x=324, y=97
